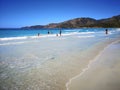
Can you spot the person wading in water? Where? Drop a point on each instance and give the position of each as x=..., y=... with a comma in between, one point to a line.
x=106, y=31
x=60, y=32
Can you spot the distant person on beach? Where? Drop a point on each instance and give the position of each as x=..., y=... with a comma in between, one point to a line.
x=60, y=32
x=106, y=31
x=38, y=34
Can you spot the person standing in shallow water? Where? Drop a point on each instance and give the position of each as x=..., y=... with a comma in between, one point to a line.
x=60, y=32
x=106, y=31
x=38, y=34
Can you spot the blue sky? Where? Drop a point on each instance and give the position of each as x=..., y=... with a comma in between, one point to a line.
x=19, y=13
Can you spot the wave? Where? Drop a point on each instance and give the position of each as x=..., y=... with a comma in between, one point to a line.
x=118, y=29
x=16, y=42
x=44, y=36
x=87, y=32
x=86, y=36
x=17, y=38
x=81, y=32
x=12, y=43
x=13, y=38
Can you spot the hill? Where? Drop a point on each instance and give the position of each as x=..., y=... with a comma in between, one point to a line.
x=81, y=22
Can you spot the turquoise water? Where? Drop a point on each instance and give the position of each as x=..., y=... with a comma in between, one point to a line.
x=24, y=32
x=8, y=37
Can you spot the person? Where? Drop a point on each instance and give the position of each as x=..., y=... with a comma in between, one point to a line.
x=106, y=31
x=38, y=34
x=60, y=32
x=48, y=32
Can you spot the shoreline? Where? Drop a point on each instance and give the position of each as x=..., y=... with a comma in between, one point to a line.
x=87, y=35
x=89, y=64
x=54, y=61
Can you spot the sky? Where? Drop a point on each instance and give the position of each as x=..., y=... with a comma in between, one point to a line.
x=20, y=13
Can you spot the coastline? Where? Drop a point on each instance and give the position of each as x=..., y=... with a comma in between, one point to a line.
x=48, y=63
x=74, y=83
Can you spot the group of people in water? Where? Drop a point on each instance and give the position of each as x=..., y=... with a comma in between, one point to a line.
x=60, y=33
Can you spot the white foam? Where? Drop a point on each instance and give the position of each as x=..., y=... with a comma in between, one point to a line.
x=72, y=33
x=51, y=35
x=68, y=30
x=12, y=43
x=118, y=29
x=13, y=38
x=78, y=33
x=26, y=37
x=18, y=42
x=43, y=36
x=86, y=36
x=86, y=32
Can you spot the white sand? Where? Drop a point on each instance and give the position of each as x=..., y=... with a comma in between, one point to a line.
x=46, y=63
x=102, y=74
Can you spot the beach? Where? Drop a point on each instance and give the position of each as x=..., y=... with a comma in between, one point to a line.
x=54, y=63
x=103, y=73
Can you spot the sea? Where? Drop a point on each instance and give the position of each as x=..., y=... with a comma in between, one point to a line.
x=9, y=34
x=29, y=61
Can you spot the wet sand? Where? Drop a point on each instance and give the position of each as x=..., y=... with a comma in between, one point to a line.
x=102, y=74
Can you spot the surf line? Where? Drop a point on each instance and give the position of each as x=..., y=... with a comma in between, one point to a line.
x=89, y=64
